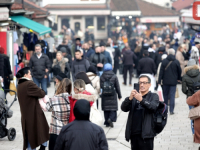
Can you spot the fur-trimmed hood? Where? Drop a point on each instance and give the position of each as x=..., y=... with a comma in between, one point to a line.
x=90, y=98
x=192, y=71
x=62, y=63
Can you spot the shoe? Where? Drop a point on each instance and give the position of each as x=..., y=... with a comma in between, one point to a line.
x=130, y=84
x=110, y=123
x=171, y=113
x=123, y=83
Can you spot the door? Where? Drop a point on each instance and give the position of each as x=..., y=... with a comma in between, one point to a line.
x=77, y=26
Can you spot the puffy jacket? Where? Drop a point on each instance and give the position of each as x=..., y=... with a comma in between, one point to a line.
x=38, y=66
x=129, y=57
x=79, y=65
x=146, y=65
x=89, y=52
x=173, y=72
x=97, y=58
x=95, y=82
x=191, y=75
x=110, y=103
x=147, y=124
x=81, y=134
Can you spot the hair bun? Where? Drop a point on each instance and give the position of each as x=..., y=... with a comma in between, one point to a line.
x=18, y=75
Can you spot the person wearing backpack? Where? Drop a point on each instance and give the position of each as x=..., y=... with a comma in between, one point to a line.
x=170, y=73
x=189, y=80
x=141, y=106
x=110, y=90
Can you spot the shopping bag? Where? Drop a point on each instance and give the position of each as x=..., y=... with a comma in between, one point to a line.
x=177, y=93
x=95, y=115
x=13, y=88
x=160, y=94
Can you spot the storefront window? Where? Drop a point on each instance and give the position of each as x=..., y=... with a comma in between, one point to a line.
x=159, y=25
x=89, y=23
x=100, y=23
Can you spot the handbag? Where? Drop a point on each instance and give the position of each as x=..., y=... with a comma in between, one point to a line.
x=194, y=113
x=13, y=88
x=95, y=115
x=177, y=93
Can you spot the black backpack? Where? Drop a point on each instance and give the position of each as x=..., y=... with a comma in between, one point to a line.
x=160, y=117
x=196, y=85
x=108, y=88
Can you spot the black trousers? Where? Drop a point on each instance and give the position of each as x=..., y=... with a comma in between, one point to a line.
x=126, y=69
x=52, y=141
x=116, y=67
x=138, y=143
x=110, y=114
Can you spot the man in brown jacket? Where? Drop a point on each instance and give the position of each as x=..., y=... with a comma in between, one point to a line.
x=34, y=124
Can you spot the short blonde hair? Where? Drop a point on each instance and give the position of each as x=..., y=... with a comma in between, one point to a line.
x=79, y=84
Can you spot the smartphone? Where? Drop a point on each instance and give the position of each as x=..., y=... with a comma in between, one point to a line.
x=136, y=87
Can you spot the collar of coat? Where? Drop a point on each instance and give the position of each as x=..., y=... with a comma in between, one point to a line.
x=23, y=79
x=61, y=63
x=186, y=69
x=90, y=98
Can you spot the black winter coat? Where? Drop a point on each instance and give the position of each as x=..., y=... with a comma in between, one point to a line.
x=110, y=103
x=1, y=65
x=38, y=66
x=148, y=122
x=158, y=55
x=81, y=134
x=7, y=72
x=191, y=75
x=97, y=58
x=146, y=65
x=129, y=57
x=173, y=72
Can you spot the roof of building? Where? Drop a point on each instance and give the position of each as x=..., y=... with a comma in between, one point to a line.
x=181, y=4
x=126, y=5
x=150, y=9
x=30, y=6
x=75, y=7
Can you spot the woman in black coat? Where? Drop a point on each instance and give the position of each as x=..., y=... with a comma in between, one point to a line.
x=109, y=102
x=117, y=58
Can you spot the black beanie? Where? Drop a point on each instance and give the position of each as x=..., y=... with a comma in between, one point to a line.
x=92, y=69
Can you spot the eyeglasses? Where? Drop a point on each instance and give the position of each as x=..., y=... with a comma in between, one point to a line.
x=143, y=83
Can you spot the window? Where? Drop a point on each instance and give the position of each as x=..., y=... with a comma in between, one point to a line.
x=100, y=23
x=159, y=25
x=89, y=23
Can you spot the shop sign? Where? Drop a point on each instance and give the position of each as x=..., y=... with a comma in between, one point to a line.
x=4, y=13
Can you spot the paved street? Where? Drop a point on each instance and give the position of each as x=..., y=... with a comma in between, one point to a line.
x=177, y=134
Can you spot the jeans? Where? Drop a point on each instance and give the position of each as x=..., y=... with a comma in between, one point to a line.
x=126, y=69
x=29, y=146
x=100, y=73
x=169, y=93
x=43, y=83
x=192, y=121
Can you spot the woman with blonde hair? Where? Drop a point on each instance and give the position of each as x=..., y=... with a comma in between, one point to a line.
x=59, y=105
x=180, y=58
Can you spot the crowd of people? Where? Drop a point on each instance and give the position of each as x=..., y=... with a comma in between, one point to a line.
x=84, y=73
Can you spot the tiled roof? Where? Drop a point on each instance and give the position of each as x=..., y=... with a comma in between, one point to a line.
x=29, y=6
x=72, y=7
x=181, y=4
x=123, y=5
x=150, y=9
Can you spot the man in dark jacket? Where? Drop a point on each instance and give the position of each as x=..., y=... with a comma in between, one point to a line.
x=81, y=134
x=158, y=56
x=98, y=60
x=141, y=106
x=79, y=64
x=128, y=61
x=88, y=51
x=40, y=66
x=65, y=45
x=110, y=102
x=152, y=51
x=146, y=66
x=170, y=73
x=106, y=54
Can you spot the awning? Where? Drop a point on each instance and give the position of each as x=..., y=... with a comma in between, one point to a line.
x=30, y=24
x=159, y=19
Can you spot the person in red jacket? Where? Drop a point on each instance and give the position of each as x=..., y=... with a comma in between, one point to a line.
x=80, y=93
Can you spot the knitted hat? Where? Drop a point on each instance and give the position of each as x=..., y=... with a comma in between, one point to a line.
x=107, y=67
x=191, y=62
x=61, y=76
x=63, y=50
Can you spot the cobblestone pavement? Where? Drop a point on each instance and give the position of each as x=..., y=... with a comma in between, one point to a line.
x=177, y=134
